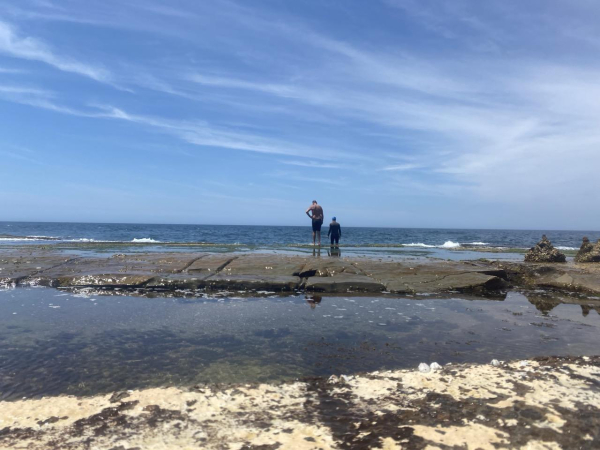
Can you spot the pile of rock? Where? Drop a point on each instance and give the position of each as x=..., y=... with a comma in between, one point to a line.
x=588, y=252
x=544, y=251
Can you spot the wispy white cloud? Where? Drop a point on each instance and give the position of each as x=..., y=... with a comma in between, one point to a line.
x=401, y=167
x=23, y=90
x=20, y=154
x=203, y=134
x=11, y=70
x=313, y=165
x=308, y=179
x=40, y=98
x=13, y=44
x=224, y=82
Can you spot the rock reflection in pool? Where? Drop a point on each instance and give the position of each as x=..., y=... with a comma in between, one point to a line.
x=54, y=342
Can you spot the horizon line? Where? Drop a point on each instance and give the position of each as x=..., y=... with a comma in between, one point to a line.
x=290, y=226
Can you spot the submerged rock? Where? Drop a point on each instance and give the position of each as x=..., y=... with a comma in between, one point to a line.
x=588, y=252
x=544, y=251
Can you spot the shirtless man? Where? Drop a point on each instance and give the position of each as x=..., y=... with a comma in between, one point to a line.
x=315, y=212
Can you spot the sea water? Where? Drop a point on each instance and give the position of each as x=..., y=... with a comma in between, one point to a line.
x=62, y=342
x=369, y=241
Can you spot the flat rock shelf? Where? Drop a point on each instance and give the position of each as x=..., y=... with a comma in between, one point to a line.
x=275, y=272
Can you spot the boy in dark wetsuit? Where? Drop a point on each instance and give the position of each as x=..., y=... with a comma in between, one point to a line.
x=335, y=232
x=315, y=212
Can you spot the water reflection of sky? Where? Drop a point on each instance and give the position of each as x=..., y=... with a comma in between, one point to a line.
x=55, y=342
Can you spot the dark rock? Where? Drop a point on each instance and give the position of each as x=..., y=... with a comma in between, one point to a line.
x=343, y=283
x=255, y=282
x=118, y=396
x=544, y=251
x=588, y=252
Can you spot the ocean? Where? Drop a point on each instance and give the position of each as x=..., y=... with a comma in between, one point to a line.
x=277, y=236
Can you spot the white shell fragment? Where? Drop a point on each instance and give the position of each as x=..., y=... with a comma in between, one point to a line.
x=435, y=366
x=424, y=368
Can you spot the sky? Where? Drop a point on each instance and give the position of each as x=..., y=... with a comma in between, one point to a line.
x=394, y=113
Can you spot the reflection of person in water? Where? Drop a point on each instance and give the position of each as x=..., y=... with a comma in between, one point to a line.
x=313, y=300
x=317, y=252
x=334, y=252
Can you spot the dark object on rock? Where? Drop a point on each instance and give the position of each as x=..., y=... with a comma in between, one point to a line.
x=544, y=251
x=588, y=252
x=118, y=396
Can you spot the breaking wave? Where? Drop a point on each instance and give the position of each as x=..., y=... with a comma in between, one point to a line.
x=447, y=244
x=28, y=238
x=144, y=240
x=450, y=244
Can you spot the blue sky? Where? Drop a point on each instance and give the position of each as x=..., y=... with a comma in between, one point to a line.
x=402, y=113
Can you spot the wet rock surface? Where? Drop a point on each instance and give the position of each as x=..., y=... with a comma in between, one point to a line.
x=588, y=252
x=548, y=402
x=569, y=277
x=170, y=271
x=281, y=273
x=544, y=251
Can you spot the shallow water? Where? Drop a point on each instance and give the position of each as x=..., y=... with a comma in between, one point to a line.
x=54, y=342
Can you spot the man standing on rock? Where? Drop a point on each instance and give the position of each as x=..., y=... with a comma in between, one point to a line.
x=315, y=212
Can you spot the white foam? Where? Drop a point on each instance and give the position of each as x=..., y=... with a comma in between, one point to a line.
x=450, y=244
x=29, y=238
x=143, y=240
x=478, y=243
x=419, y=244
x=560, y=247
x=19, y=239
x=85, y=240
x=48, y=238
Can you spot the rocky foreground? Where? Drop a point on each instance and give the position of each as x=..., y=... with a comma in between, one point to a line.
x=546, y=403
x=272, y=272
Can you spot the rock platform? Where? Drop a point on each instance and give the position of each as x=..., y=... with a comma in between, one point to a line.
x=171, y=271
x=544, y=403
x=282, y=273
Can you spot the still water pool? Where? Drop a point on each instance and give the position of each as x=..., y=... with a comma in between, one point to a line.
x=54, y=342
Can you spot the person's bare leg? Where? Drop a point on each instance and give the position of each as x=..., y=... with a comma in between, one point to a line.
x=319, y=235
x=314, y=237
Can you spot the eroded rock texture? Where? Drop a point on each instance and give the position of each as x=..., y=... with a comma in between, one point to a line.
x=588, y=252
x=544, y=251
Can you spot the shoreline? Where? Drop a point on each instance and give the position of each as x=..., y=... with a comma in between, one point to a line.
x=545, y=402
